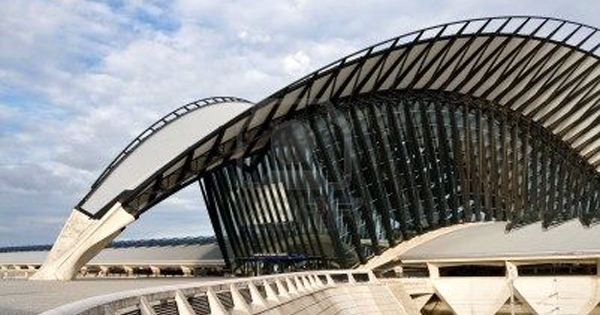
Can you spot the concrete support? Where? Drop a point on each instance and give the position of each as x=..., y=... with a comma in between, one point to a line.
x=330, y=281
x=473, y=295
x=283, y=294
x=258, y=303
x=434, y=271
x=292, y=290
x=109, y=310
x=351, y=279
x=421, y=300
x=239, y=304
x=216, y=308
x=271, y=296
x=187, y=271
x=559, y=294
x=307, y=285
x=319, y=282
x=183, y=306
x=155, y=271
x=145, y=307
x=80, y=240
x=372, y=277
x=299, y=286
x=130, y=271
x=104, y=271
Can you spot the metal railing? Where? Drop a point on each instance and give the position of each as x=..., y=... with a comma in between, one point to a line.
x=239, y=296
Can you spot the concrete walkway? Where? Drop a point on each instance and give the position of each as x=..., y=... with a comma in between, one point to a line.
x=22, y=297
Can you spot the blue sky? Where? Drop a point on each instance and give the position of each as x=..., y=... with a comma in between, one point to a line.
x=80, y=79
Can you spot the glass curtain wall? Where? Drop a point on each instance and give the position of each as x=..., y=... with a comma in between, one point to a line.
x=343, y=181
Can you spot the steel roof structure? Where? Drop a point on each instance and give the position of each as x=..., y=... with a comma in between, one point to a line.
x=517, y=90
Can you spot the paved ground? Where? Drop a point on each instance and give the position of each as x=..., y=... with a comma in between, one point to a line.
x=23, y=297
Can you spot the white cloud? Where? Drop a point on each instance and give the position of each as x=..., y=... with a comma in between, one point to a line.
x=81, y=78
x=296, y=63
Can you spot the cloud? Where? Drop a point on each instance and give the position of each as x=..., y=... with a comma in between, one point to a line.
x=80, y=79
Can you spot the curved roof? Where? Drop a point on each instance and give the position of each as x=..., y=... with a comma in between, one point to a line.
x=489, y=241
x=158, y=144
x=546, y=69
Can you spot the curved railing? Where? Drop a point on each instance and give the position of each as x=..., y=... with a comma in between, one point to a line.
x=243, y=295
x=158, y=125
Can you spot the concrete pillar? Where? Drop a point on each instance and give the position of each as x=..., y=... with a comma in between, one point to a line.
x=155, y=271
x=104, y=271
x=372, y=277
x=3, y=267
x=258, y=302
x=292, y=290
x=283, y=294
x=81, y=238
x=511, y=270
x=271, y=296
x=239, y=304
x=299, y=285
x=130, y=271
x=183, y=306
x=187, y=271
x=313, y=281
x=434, y=271
x=351, y=279
x=399, y=271
x=307, y=285
x=319, y=282
x=145, y=307
x=216, y=308
x=109, y=309
x=330, y=281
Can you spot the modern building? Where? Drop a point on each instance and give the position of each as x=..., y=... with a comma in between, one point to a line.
x=493, y=119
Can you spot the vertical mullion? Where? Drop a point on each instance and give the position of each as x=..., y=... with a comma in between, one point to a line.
x=237, y=226
x=458, y=151
x=385, y=159
x=214, y=219
x=321, y=205
x=444, y=149
x=239, y=207
x=372, y=176
x=413, y=146
x=280, y=207
x=366, y=207
x=331, y=169
x=468, y=162
x=261, y=191
x=294, y=202
x=225, y=216
x=251, y=207
x=432, y=158
x=403, y=158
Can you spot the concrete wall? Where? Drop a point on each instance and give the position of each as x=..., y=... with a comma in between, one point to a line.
x=356, y=299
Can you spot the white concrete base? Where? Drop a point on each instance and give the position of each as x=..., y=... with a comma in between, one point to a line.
x=80, y=240
x=392, y=254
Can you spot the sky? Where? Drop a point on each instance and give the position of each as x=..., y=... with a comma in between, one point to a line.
x=80, y=79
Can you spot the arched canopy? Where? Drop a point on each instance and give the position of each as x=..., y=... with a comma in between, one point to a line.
x=542, y=68
x=157, y=145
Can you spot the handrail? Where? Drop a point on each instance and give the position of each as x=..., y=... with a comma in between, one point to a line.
x=288, y=286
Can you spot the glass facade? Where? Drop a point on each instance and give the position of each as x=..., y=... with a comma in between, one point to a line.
x=340, y=183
